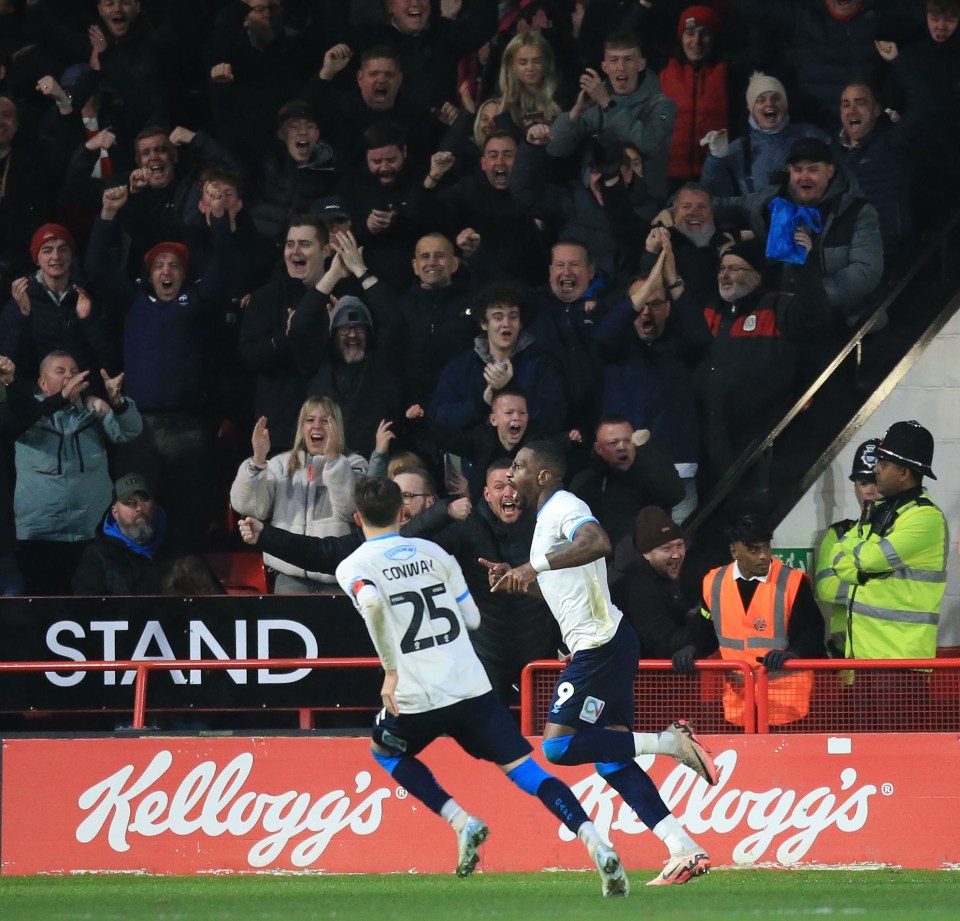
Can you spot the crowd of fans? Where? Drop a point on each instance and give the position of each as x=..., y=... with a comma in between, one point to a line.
x=255, y=248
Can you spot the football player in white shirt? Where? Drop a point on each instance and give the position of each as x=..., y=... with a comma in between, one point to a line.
x=592, y=711
x=417, y=608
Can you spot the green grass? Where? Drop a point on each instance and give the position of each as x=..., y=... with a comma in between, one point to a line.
x=723, y=894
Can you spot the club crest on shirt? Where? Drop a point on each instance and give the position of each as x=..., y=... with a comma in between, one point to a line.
x=750, y=323
x=759, y=624
x=591, y=710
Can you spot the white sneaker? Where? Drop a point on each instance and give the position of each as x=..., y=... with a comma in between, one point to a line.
x=691, y=752
x=682, y=867
x=469, y=838
x=613, y=880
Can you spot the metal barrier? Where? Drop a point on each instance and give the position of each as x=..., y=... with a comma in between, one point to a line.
x=142, y=669
x=728, y=697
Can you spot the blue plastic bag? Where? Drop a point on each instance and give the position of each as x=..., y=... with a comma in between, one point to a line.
x=785, y=218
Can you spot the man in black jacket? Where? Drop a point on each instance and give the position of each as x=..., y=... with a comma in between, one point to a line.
x=134, y=551
x=647, y=583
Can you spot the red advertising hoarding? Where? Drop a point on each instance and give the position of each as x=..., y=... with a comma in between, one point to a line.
x=194, y=805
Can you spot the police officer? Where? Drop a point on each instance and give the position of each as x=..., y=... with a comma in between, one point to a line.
x=894, y=562
x=829, y=587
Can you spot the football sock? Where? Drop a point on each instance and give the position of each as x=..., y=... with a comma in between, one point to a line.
x=416, y=777
x=655, y=743
x=590, y=745
x=639, y=792
x=589, y=835
x=455, y=814
x=553, y=793
x=673, y=835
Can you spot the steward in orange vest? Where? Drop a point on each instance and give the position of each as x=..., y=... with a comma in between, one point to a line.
x=764, y=613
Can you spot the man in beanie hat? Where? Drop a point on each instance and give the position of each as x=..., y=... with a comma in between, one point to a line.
x=762, y=338
x=49, y=310
x=697, y=82
x=357, y=376
x=167, y=358
x=894, y=561
x=848, y=251
x=764, y=613
x=829, y=588
x=747, y=164
x=648, y=585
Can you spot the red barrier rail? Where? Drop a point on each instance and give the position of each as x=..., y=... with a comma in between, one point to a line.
x=728, y=697
x=143, y=667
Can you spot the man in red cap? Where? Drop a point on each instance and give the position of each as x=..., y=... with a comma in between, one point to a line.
x=167, y=359
x=48, y=310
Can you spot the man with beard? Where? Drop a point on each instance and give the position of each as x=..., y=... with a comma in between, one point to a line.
x=376, y=194
x=763, y=338
x=134, y=549
x=695, y=241
x=646, y=584
x=356, y=376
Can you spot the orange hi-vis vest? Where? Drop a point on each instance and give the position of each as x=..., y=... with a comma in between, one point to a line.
x=749, y=635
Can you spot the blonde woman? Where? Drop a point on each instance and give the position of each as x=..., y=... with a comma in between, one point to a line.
x=529, y=80
x=307, y=490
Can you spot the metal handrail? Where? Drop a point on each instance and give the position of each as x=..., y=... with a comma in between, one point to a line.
x=751, y=454
x=143, y=667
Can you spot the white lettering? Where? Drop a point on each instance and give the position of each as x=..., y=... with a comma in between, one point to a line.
x=201, y=636
x=264, y=629
x=768, y=814
x=209, y=800
x=68, y=652
x=153, y=633
x=109, y=629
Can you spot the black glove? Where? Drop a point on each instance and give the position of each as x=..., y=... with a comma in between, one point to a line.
x=683, y=660
x=773, y=660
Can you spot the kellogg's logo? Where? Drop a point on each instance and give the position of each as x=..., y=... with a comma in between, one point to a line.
x=214, y=802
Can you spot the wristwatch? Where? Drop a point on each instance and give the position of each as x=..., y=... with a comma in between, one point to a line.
x=679, y=283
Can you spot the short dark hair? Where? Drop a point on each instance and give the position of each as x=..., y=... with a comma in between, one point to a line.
x=310, y=220
x=378, y=500
x=749, y=529
x=549, y=456
x=384, y=134
x=499, y=135
x=612, y=419
x=501, y=463
x=500, y=295
x=429, y=485
x=572, y=241
x=944, y=7
x=224, y=175
x=508, y=391
x=622, y=41
x=380, y=51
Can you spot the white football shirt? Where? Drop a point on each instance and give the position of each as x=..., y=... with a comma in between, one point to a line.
x=417, y=607
x=579, y=597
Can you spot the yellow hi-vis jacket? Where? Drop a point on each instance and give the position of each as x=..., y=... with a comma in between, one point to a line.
x=896, y=569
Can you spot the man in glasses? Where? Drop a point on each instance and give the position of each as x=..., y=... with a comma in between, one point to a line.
x=763, y=338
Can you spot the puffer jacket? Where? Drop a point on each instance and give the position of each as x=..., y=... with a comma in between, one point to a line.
x=317, y=500
x=63, y=483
